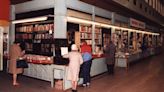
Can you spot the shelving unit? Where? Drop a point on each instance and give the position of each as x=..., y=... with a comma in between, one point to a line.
x=86, y=34
x=125, y=39
x=118, y=39
x=38, y=37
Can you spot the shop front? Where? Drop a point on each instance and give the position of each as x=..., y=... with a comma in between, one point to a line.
x=67, y=24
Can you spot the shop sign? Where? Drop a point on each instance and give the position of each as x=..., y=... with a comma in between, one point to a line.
x=137, y=23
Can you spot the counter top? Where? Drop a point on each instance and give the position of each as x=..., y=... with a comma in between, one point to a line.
x=46, y=63
x=94, y=56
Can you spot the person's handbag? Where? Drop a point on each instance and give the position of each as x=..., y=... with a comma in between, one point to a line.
x=22, y=63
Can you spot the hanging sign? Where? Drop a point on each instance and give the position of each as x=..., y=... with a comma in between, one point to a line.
x=137, y=23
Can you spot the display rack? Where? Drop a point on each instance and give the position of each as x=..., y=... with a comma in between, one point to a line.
x=125, y=39
x=139, y=41
x=38, y=37
x=86, y=34
x=149, y=40
x=118, y=39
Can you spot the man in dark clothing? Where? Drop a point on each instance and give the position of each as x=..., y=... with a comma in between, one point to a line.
x=110, y=50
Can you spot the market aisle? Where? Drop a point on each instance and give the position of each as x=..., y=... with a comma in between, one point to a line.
x=144, y=76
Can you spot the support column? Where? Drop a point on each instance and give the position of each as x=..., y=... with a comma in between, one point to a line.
x=60, y=19
x=113, y=22
x=93, y=29
x=11, y=30
x=129, y=34
x=113, y=36
x=12, y=26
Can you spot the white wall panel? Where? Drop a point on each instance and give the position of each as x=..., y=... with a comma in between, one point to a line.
x=84, y=7
x=78, y=5
x=77, y=14
x=34, y=5
x=72, y=4
x=60, y=19
x=103, y=13
x=121, y=18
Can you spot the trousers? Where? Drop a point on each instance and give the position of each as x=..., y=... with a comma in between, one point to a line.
x=110, y=68
x=86, y=68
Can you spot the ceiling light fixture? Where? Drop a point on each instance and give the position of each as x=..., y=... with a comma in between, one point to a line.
x=78, y=20
x=30, y=20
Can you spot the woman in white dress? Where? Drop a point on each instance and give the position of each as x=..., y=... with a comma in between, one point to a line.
x=75, y=60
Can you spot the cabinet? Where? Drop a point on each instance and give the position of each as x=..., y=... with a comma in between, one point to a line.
x=38, y=37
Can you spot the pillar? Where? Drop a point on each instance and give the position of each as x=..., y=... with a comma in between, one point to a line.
x=60, y=19
x=113, y=29
x=93, y=29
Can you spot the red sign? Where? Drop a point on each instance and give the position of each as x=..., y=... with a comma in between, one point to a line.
x=4, y=9
x=137, y=23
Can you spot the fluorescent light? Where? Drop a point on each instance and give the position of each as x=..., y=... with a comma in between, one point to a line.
x=78, y=20
x=30, y=20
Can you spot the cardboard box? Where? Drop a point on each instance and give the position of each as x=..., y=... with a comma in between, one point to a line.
x=59, y=84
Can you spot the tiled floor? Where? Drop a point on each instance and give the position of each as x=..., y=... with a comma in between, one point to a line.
x=145, y=76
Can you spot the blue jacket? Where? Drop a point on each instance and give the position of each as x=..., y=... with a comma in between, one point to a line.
x=86, y=56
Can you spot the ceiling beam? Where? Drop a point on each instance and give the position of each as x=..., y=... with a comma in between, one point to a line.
x=13, y=2
x=114, y=7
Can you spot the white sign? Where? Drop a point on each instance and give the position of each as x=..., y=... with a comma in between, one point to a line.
x=64, y=50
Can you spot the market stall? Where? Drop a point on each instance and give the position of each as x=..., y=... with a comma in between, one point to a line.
x=44, y=53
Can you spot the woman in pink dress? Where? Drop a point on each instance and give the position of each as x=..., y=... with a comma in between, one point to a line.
x=75, y=60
